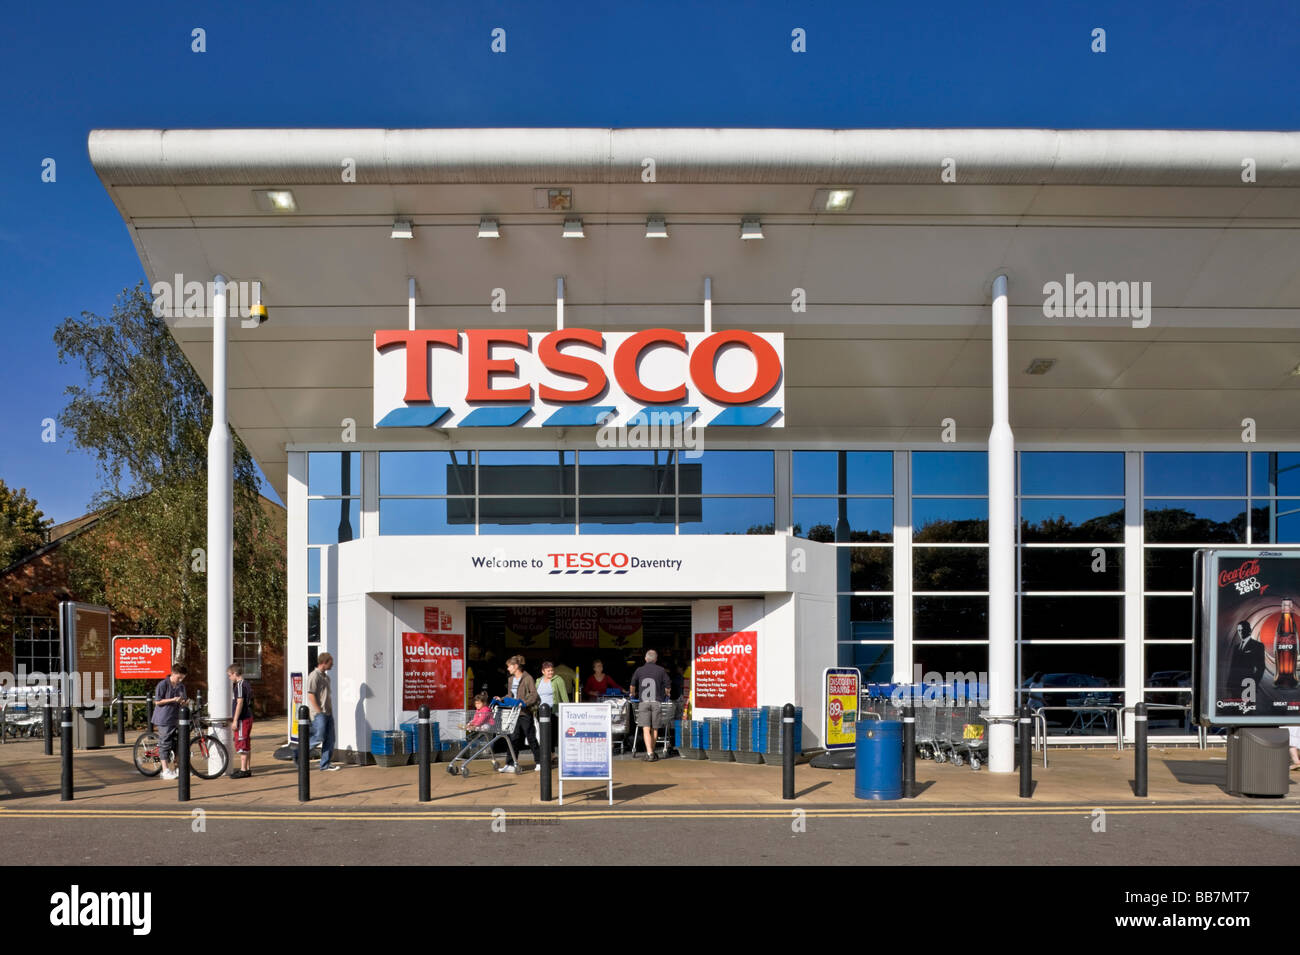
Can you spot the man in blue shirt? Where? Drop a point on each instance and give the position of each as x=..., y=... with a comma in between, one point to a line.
x=169, y=696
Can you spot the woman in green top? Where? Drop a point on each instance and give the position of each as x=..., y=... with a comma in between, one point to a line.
x=552, y=690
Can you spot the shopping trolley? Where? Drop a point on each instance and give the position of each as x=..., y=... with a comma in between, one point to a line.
x=480, y=741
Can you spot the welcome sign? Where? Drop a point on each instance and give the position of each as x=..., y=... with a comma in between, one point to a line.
x=577, y=377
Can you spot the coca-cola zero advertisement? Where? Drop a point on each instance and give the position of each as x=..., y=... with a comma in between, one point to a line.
x=1248, y=657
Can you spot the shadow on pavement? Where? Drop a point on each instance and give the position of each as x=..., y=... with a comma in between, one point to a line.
x=1199, y=772
x=626, y=793
x=811, y=789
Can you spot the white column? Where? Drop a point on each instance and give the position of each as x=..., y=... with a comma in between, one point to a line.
x=295, y=654
x=903, y=656
x=1134, y=611
x=559, y=302
x=708, y=305
x=221, y=570
x=1002, y=549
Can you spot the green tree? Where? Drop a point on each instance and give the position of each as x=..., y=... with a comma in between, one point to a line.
x=22, y=525
x=144, y=415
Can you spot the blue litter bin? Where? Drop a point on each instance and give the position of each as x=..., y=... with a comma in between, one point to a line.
x=878, y=769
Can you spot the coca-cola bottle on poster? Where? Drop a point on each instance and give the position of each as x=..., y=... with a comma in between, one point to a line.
x=1284, y=648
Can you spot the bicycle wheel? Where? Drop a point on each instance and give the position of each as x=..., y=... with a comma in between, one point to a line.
x=208, y=757
x=145, y=755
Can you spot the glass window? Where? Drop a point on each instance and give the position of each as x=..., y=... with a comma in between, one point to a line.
x=870, y=568
x=1168, y=665
x=1072, y=669
x=866, y=472
x=730, y=472
x=518, y=515
x=950, y=568
x=950, y=618
x=1195, y=522
x=334, y=473
x=870, y=520
x=1279, y=524
x=526, y=472
x=874, y=660
x=313, y=620
x=1286, y=478
x=1168, y=618
x=1068, y=521
x=950, y=472
x=1162, y=720
x=953, y=663
x=641, y=527
x=627, y=472
x=313, y=570
x=333, y=522
x=247, y=650
x=628, y=510
x=1071, y=472
x=449, y=515
x=1168, y=568
x=950, y=520
x=1071, y=568
x=426, y=472
x=1176, y=473
x=1072, y=618
x=37, y=645
x=870, y=618
x=730, y=515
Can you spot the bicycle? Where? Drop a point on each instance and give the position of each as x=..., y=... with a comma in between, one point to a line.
x=208, y=755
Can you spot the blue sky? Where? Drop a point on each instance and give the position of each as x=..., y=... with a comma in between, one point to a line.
x=70, y=68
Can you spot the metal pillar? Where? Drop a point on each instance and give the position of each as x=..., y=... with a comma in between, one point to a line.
x=1002, y=548
x=221, y=531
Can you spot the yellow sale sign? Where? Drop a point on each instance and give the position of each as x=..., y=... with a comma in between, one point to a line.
x=840, y=694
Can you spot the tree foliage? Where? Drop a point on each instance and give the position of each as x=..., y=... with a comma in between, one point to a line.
x=22, y=525
x=144, y=415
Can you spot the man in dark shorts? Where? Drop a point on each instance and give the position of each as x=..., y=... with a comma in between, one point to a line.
x=650, y=686
x=168, y=697
x=241, y=719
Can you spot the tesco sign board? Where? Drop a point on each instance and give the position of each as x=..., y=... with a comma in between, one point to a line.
x=576, y=377
x=139, y=658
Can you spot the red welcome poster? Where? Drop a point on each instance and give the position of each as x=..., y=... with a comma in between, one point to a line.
x=433, y=671
x=724, y=673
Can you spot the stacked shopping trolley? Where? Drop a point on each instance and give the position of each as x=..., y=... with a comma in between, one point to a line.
x=749, y=735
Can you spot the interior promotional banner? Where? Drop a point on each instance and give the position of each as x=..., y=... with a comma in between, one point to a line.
x=433, y=670
x=140, y=658
x=436, y=621
x=621, y=628
x=528, y=628
x=724, y=671
x=1250, y=638
x=576, y=626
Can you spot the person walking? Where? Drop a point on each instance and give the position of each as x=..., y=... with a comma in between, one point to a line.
x=168, y=697
x=521, y=686
x=551, y=691
x=651, y=686
x=320, y=702
x=241, y=719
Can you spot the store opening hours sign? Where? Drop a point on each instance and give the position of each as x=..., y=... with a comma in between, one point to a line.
x=433, y=671
x=725, y=670
x=142, y=658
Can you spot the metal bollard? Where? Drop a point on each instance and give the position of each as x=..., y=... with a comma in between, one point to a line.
x=120, y=716
x=422, y=731
x=304, y=754
x=1026, y=753
x=65, y=751
x=544, y=742
x=148, y=709
x=787, y=751
x=1139, y=749
x=183, y=756
x=909, y=752
x=48, y=727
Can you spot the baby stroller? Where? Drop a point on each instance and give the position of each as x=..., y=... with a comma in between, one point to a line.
x=480, y=741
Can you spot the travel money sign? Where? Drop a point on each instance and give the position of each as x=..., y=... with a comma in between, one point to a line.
x=577, y=377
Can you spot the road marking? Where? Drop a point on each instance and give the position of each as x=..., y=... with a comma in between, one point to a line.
x=576, y=815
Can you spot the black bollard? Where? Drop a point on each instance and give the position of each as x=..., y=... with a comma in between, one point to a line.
x=304, y=754
x=422, y=731
x=48, y=727
x=787, y=751
x=1139, y=749
x=120, y=716
x=148, y=709
x=909, y=752
x=544, y=743
x=65, y=751
x=1026, y=753
x=183, y=756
